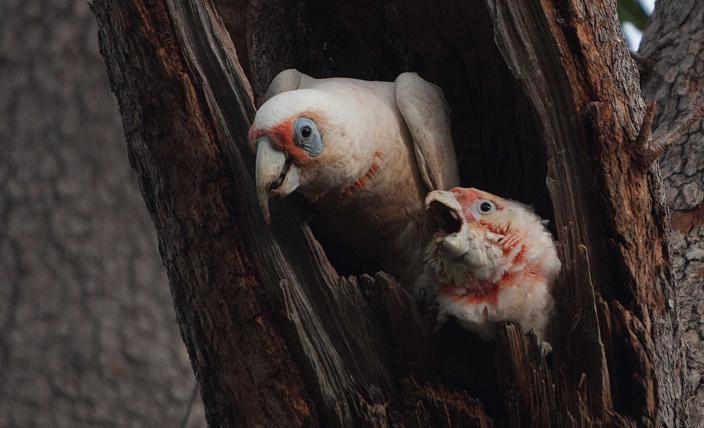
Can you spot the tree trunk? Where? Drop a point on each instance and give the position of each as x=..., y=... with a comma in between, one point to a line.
x=546, y=108
x=674, y=59
x=87, y=329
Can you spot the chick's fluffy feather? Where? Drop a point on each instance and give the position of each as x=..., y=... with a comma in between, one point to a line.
x=497, y=266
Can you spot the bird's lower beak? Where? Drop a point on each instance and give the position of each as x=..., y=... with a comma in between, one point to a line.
x=454, y=246
x=275, y=174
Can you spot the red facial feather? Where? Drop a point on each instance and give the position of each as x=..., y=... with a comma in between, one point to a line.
x=504, y=230
x=281, y=137
x=466, y=197
x=519, y=256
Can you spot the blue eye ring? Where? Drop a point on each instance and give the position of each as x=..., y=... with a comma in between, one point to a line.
x=307, y=135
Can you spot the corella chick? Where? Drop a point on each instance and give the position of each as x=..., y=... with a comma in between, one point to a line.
x=490, y=260
x=364, y=154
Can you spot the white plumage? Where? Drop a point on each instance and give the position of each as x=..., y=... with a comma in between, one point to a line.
x=370, y=153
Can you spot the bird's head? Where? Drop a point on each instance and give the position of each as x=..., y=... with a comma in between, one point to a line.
x=492, y=260
x=475, y=232
x=484, y=210
x=304, y=143
x=480, y=210
x=459, y=246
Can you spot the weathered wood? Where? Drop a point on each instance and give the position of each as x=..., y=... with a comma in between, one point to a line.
x=674, y=56
x=245, y=372
x=323, y=349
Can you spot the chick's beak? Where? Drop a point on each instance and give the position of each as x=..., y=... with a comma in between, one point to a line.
x=454, y=246
x=446, y=213
x=275, y=175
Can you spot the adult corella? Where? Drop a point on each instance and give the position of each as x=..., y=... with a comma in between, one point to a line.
x=364, y=154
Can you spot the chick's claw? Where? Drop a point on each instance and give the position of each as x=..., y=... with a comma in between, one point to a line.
x=545, y=348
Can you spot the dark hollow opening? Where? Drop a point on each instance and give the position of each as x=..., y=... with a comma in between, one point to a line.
x=495, y=131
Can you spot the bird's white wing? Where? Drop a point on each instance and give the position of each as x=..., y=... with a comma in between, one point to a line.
x=287, y=80
x=427, y=116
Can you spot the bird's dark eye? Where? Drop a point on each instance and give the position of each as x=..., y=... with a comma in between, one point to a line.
x=307, y=135
x=486, y=207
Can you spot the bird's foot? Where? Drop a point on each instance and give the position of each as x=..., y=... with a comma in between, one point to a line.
x=545, y=348
x=440, y=321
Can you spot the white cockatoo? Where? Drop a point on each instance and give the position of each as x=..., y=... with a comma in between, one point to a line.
x=489, y=260
x=364, y=154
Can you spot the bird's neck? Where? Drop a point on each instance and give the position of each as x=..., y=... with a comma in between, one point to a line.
x=395, y=234
x=493, y=261
x=361, y=183
x=381, y=210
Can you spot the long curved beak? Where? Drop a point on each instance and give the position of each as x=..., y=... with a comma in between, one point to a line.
x=275, y=174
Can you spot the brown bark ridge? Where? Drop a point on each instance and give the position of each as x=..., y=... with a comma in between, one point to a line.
x=674, y=54
x=276, y=336
x=87, y=329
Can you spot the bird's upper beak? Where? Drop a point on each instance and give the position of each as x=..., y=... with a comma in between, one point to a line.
x=446, y=213
x=444, y=210
x=275, y=174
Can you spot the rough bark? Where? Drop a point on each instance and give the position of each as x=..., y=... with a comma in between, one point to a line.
x=341, y=352
x=87, y=330
x=673, y=52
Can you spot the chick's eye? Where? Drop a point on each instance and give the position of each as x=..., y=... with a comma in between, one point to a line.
x=486, y=207
x=306, y=131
